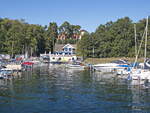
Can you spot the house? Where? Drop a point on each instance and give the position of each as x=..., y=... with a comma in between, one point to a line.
x=69, y=49
x=63, y=53
x=66, y=49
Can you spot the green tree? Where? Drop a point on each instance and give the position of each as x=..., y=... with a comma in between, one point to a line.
x=114, y=39
x=52, y=34
x=85, y=46
x=66, y=29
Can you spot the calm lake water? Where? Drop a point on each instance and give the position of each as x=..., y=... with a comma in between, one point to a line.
x=57, y=90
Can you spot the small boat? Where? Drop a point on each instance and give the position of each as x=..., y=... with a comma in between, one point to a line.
x=76, y=65
x=6, y=73
x=14, y=67
x=27, y=65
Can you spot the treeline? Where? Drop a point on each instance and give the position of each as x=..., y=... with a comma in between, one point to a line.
x=114, y=39
x=19, y=37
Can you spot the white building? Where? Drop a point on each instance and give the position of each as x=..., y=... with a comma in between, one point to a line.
x=69, y=49
x=63, y=53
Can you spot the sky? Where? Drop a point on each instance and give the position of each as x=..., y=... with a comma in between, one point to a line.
x=89, y=14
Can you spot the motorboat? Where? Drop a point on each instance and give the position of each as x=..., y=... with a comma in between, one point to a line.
x=76, y=65
x=6, y=73
x=111, y=67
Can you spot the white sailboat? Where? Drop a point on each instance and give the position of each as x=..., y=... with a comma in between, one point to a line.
x=141, y=74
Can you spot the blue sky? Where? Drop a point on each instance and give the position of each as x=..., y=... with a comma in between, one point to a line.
x=87, y=13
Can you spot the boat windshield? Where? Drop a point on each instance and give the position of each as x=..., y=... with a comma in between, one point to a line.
x=120, y=61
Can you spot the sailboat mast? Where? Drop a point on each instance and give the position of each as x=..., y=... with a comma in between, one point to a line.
x=146, y=39
x=135, y=39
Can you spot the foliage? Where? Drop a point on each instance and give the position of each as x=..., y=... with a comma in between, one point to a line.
x=69, y=30
x=84, y=46
x=19, y=37
x=51, y=37
x=115, y=39
x=66, y=41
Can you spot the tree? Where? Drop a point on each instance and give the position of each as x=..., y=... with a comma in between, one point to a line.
x=85, y=46
x=114, y=39
x=66, y=29
x=52, y=34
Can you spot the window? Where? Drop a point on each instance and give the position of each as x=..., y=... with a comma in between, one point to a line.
x=69, y=49
x=65, y=49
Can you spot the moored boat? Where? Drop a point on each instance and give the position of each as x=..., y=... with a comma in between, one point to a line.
x=111, y=67
x=76, y=65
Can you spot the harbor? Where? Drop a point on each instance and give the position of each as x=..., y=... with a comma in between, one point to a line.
x=64, y=82
x=63, y=56
x=45, y=89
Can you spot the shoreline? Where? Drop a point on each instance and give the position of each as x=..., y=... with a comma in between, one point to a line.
x=107, y=60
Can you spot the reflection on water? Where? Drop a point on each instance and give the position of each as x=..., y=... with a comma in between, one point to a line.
x=60, y=90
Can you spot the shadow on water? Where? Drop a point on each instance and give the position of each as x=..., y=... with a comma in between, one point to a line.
x=59, y=90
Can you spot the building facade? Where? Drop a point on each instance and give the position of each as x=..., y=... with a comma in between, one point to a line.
x=63, y=53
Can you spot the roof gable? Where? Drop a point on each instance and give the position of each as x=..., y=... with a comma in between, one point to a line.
x=60, y=47
x=68, y=46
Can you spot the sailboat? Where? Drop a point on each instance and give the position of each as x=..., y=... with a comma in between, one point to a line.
x=143, y=73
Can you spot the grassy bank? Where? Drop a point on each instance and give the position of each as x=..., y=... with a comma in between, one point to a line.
x=106, y=60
